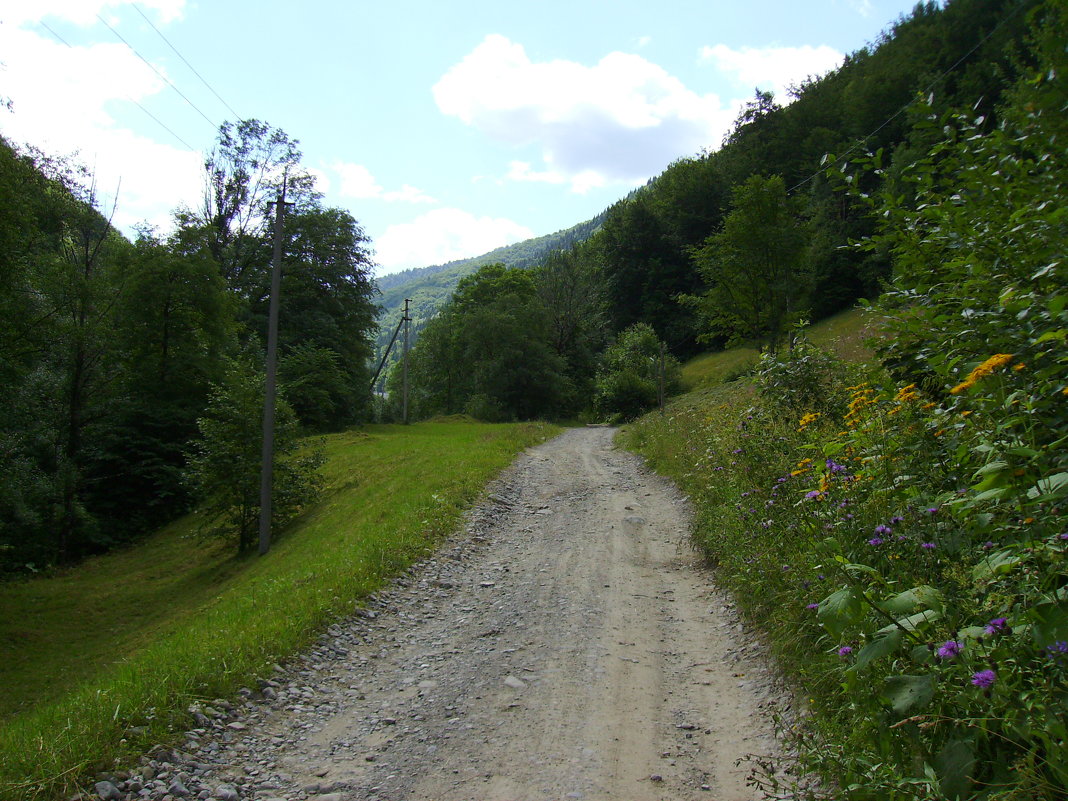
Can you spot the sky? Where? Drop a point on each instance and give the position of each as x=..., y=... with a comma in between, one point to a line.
x=446, y=129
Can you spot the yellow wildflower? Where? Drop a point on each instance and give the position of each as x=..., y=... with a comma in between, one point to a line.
x=811, y=417
x=906, y=394
x=995, y=362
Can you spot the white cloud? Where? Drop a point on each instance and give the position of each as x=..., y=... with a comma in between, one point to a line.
x=522, y=171
x=62, y=97
x=619, y=121
x=443, y=235
x=643, y=41
x=358, y=182
x=862, y=7
x=774, y=68
x=81, y=12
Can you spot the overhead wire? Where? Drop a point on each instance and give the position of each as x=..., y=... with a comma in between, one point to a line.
x=137, y=8
x=163, y=77
x=926, y=92
x=128, y=97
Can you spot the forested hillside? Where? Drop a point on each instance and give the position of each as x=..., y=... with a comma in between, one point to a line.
x=111, y=350
x=428, y=288
x=736, y=244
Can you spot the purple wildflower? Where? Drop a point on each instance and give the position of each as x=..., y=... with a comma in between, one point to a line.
x=812, y=494
x=949, y=649
x=881, y=529
x=1062, y=536
x=984, y=678
x=930, y=546
x=997, y=625
x=987, y=545
x=876, y=541
x=812, y=606
x=896, y=519
x=845, y=650
x=932, y=510
x=1059, y=647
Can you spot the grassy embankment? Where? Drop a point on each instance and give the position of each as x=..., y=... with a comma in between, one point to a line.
x=913, y=587
x=101, y=661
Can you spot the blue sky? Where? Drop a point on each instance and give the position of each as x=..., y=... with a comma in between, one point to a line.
x=445, y=128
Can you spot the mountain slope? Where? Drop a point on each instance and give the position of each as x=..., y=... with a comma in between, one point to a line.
x=429, y=287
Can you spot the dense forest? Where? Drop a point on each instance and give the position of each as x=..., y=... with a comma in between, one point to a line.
x=115, y=354
x=736, y=244
x=111, y=350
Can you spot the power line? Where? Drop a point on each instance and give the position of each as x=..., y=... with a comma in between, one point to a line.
x=160, y=74
x=137, y=8
x=128, y=97
x=926, y=92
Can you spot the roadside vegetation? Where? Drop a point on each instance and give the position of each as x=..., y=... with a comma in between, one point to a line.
x=102, y=661
x=898, y=526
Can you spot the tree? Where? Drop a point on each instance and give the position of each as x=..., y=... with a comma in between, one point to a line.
x=571, y=289
x=327, y=305
x=243, y=173
x=224, y=468
x=754, y=266
x=488, y=353
x=174, y=327
x=628, y=382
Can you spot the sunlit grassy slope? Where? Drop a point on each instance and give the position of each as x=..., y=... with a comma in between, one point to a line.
x=843, y=334
x=100, y=661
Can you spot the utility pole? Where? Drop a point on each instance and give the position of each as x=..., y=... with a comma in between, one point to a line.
x=406, y=320
x=267, y=463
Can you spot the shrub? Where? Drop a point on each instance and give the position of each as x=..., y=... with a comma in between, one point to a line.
x=628, y=382
x=224, y=468
x=803, y=379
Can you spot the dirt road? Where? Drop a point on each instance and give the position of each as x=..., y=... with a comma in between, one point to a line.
x=568, y=646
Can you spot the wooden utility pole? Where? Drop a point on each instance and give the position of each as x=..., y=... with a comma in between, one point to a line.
x=267, y=463
x=406, y=320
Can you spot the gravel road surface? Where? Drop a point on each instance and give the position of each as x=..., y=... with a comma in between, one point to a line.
x=568, y=644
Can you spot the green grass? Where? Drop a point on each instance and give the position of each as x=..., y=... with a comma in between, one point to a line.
x=101, y=662
x=844, y=334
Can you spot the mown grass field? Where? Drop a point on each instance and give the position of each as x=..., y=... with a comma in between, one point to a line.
x=100, y=662
x=843, y=334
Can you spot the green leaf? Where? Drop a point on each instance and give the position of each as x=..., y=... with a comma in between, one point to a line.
x=996, y=564
x=954, y=765
x=922, y=597
x=915, y=621
x=883, y=644
x=1050, y=623
x=1050, y=487
x=839, y=610
x=908, y=694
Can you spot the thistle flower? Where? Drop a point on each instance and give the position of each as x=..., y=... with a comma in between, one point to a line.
x=997, y=625
x=845, y=650
x=949, y=649
x=984, y=678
